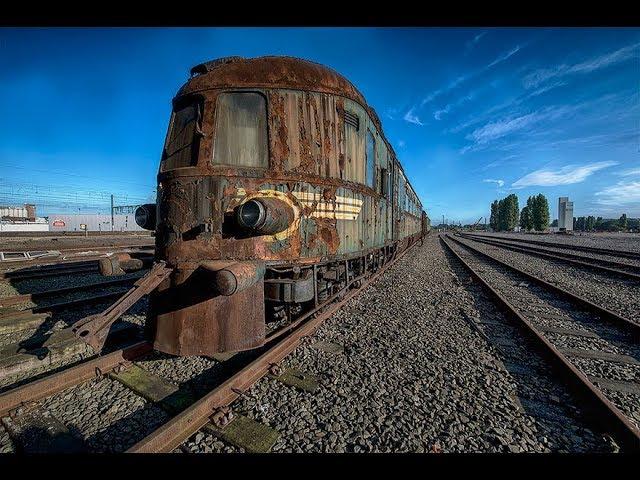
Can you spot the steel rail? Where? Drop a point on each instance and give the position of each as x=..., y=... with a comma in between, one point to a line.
x=562, y=257
x=612, y=420
x=182, y=426
x=101, y=297
x=604, y=312
x=566, y=246
x=33, y=274
x=26, y=297
x=70, y=377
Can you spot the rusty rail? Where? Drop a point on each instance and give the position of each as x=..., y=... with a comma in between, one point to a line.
x=604, y=312
x=70, y=377
x=27, y=297
x=612, y=419
x=603, y=266
x=566, y=246
x=181, y=427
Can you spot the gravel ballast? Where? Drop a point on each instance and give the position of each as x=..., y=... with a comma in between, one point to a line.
x=421, y=361
x=415, y=377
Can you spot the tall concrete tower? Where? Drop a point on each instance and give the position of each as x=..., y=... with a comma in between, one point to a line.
x=565, y=214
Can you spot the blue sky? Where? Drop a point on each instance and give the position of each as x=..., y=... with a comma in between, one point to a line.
x=473, y=113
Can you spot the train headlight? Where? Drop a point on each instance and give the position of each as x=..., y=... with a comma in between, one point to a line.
x=146, y=216
x=251, y=214
x=264, y=216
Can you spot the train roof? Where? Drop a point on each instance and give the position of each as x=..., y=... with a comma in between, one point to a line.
x=277, y=72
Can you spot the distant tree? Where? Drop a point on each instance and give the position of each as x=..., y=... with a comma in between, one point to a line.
x=493, y=220
x=513, y=210
x=502, y=215
x=580, y=224
x=554, y=223
x=526, y=221
x=540, y=212
x=590, y=223
x=623, y=221
x=598, y=224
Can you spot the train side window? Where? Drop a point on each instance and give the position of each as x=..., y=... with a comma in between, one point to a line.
x=241, y=130
x=182, y=142
x=371, y=158
x=383, y=182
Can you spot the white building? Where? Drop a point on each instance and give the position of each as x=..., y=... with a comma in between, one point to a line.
x=565, y=214
x=92, y=222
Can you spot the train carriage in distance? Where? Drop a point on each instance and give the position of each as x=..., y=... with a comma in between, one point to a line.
x=277, y=191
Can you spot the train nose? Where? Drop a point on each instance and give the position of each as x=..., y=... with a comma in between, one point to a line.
x=264, y=216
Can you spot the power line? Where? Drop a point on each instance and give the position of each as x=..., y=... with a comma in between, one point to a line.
x=66, y=174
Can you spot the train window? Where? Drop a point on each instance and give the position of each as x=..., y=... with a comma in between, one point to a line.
x=371, y=156
x=383, y=182
x=241, y=130
x=181, y=145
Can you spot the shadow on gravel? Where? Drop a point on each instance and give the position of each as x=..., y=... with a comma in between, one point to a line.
x=40, y=439
x=538, y=392
x=127, y=431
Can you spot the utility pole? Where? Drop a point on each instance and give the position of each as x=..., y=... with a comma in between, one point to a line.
x=112, y=213
x=443, y=227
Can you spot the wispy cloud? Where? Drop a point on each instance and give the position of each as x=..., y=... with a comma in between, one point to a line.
x=500, y=183
x=504, y=56
x=564, y=176
x=629, y=172
x=447, y=108
x=401, y=143
x=474, y=41
x=411, y=118
x=500, y=128
x=539, y=76
x=622, y=193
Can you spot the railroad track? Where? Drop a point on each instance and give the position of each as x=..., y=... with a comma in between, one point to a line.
x=190, y=414
x=566, y=246
x=607, y=267
x=53, y=270
x=595, y=349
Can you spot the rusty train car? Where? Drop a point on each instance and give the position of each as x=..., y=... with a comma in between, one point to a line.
x=277, y=190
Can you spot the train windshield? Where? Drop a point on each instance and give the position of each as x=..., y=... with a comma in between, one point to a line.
x=241, y=130
x=181, y=146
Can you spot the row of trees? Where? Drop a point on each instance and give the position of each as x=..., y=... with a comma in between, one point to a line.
x=506, y=214
x=593, y=224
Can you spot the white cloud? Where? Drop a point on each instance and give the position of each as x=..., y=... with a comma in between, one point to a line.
x=628, y=173
x=504, y=56
x=500, y=128
x=542, y=75
x=401, y=143
x=438, y=113
x=500, y=183
x=622, y=193
x=473, y=42
x=411, y=118
x=464, y=78
x=564, y=176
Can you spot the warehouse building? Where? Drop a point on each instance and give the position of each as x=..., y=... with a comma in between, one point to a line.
x=93, y=223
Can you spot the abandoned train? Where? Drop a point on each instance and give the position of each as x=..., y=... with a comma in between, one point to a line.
x=277, y=190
